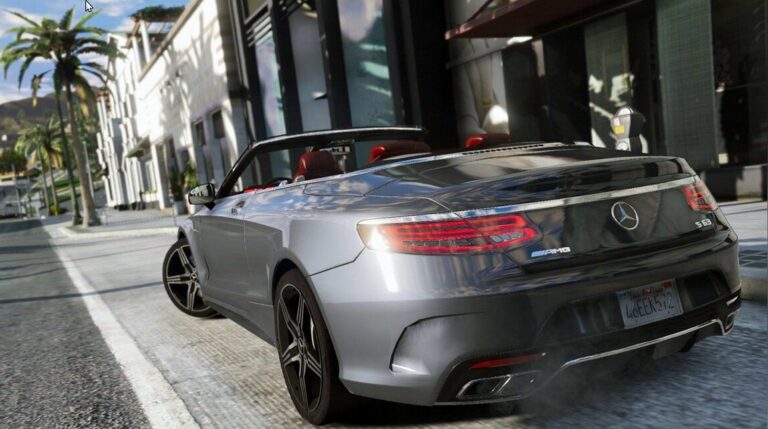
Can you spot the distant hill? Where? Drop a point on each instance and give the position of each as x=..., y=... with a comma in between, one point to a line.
x=19, y=114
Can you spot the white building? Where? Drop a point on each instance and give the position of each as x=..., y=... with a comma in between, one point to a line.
x=170, y=111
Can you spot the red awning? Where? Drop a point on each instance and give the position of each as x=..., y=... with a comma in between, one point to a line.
x=531, y=17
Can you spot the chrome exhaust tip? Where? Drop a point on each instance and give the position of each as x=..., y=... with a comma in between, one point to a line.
x=509, y=385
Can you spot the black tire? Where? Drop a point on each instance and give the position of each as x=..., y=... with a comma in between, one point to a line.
x=325, y=396
x=181, y=283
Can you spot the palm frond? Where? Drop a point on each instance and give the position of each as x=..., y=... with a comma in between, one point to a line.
x=28, y=20
x=23, y=69
x=103, y=77
x=82, y=21
x=36, y=81
x=66, y=20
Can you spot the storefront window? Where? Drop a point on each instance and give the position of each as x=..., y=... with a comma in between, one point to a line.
x=365, y=57
x=741, y=79
x=308, y=62
x=269, y=82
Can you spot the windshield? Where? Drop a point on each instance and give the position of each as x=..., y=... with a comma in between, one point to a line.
x=314, y=160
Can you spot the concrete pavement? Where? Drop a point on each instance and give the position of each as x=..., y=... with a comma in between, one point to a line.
x=228, y=378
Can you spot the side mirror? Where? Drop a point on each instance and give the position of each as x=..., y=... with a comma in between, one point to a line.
x=202, y=195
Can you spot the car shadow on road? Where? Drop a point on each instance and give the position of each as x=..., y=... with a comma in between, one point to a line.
x=557, y=398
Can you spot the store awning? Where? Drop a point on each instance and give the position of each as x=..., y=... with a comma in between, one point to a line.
x=138, y=150
x=531, y=17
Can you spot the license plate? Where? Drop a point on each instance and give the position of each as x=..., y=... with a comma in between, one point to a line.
x=650, y=303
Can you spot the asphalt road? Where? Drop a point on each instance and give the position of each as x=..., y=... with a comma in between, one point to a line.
x=228, y=378
x=55, y=369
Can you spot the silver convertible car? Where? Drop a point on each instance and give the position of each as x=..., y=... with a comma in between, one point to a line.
x=381, y=269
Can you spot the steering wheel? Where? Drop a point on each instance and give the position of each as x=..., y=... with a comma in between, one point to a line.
x=275, y=181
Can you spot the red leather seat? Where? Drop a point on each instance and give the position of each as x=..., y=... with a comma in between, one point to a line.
x=396, y=148
x=476, y=141
x=314, y=165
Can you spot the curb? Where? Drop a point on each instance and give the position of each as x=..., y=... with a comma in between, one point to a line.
x=754, y=284
x=128, y=233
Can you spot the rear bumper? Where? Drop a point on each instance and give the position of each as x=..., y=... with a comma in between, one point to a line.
x=472, y=386
x=406, y=328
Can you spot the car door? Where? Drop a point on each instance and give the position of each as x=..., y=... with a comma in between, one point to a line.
x=224, y=252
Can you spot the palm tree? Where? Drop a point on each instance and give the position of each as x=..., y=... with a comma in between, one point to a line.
x=44, y=142
x=62, y=44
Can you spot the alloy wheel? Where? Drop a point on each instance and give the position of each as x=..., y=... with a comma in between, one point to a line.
x=299, y=348
x=181, y=278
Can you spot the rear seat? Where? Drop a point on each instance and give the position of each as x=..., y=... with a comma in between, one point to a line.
x=314, y=165
x=396, y=148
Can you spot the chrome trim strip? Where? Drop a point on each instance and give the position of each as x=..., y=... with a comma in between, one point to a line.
x=731, y=301
x=583, y=359
x=637, y=346
x=538, y=205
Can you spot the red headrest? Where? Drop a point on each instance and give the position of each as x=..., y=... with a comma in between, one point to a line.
x=313, y=165
x=477, y=140
x=397, y=148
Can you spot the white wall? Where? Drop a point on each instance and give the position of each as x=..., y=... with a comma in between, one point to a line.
x=186, y=83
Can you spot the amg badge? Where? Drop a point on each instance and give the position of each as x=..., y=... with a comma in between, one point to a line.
x=548, y=252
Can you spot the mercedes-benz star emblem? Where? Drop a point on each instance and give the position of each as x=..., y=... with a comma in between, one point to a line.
x=625, y=215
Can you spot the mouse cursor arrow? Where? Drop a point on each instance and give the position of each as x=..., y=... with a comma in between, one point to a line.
x=88, y=6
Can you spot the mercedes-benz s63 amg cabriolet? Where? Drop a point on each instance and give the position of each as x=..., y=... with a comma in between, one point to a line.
x=382, y=269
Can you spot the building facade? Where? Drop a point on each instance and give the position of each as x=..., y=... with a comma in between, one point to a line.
x=310, y=65
x=558, y=70
x=235, y=71
x=173, y=116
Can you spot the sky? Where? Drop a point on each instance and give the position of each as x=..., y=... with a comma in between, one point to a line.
x=114, y=15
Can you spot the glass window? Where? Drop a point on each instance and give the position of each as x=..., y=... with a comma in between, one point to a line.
x=269, y=82
x=741, y=79
x=365, y=59
x=308, y=62
x=253, y=6
x=219, y=139
x=204, y=152
x=218, y=125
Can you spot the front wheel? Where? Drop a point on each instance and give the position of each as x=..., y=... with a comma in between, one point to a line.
x=181, y=282
x=307, y=358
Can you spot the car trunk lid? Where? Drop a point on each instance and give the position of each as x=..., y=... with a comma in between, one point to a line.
x=586, y=206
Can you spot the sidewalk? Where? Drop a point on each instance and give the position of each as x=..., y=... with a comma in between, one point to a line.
x=117, y=224
x=750, y=222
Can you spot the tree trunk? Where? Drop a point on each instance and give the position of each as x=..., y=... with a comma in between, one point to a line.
x=76, y=219
x=54, y=197
x=45, y=185
x=89, y=209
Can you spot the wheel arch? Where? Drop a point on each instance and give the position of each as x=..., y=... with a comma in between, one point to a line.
x=282, y=267
x=286, y=264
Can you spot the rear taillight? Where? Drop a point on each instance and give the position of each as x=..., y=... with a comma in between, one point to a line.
x=448, y=236
x=698, y=197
